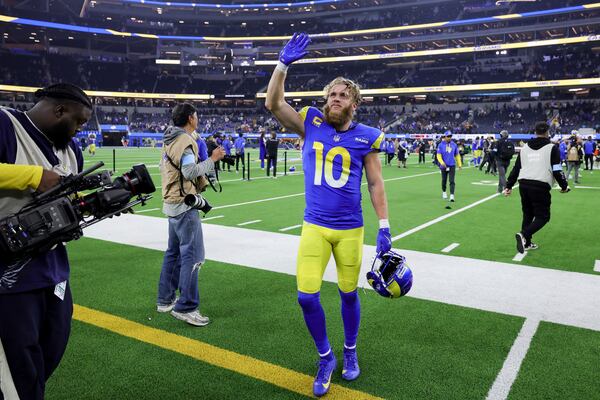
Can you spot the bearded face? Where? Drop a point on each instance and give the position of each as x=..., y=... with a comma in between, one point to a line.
x=337, y=115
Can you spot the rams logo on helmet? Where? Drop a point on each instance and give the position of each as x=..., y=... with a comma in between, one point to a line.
x=389, y=275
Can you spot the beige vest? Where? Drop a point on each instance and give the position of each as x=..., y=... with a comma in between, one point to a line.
x=174, y=186
x=28, y=153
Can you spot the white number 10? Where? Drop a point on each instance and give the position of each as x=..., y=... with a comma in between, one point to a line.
x=329, y=157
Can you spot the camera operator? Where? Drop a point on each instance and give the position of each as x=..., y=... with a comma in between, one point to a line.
x=35, y=299
x=181, y=175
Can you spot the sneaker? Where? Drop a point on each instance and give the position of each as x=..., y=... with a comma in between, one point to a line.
x=520, y=242
x=531, y=246
x=452, y=197
x=351, y=371
x=192, y=318
x=165, y=308
x=323, y=378
x=444, y=195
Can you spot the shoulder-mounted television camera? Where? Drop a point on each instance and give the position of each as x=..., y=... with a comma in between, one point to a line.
x=61, y=214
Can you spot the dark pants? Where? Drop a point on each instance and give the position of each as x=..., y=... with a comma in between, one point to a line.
x=390, y=157
x=421, y=158
x=239, y=157
x=225, y=164
x=486, y=160
x=34, y=329
x=445, y=175
x=589, y=158
x=272, y=161
x=535, y=202
x=502, y=166
x=491, y=164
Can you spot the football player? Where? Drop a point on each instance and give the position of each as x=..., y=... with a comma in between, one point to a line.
x=334, y=153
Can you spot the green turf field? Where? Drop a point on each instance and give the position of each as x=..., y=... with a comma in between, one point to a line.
x=409, y=348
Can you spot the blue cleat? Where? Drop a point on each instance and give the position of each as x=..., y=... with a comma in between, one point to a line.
x=323, y=378
x=351, y=371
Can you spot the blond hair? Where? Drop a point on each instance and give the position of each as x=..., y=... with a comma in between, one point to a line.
x=353, y=88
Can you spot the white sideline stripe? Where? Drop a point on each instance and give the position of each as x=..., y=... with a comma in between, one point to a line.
x=146, y=210
x=508, y=374
x=443, y=217
x=450, y=247
x=519, y=257
x=289, y=228
x=597, y=266
x=587, y=187
x=252, y=178
x=7, y=385
x=250, y=222
x=215, y=217
x=259, y=201
x=506, y=288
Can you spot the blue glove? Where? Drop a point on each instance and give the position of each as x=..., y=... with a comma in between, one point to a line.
x=384, y=240
x=295, y=49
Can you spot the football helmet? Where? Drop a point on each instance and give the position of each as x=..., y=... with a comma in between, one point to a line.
x=389, y=275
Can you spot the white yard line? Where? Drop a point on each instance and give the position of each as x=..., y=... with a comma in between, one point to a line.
x=508, y=374
x=289, y=228
x=259, y=201
x=215, y=217
x=250, y=222
x=143, y=210
x=443, y=217
x=506, y=288
x=519, y=257
x=451, y=247
x=597, y=266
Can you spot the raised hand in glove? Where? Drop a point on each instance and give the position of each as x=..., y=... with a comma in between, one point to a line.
x=295, y=49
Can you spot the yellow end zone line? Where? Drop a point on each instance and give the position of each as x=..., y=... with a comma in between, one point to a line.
x=261, y=370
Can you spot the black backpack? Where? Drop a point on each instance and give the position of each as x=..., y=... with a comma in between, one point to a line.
x=506, y=149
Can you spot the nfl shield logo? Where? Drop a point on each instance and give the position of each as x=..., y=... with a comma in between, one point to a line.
x=337, y=138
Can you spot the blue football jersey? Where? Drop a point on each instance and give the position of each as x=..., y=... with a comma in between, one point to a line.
x=333, y=164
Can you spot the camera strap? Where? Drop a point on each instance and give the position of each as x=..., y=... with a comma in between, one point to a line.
x=181, y=191
x=212, y=185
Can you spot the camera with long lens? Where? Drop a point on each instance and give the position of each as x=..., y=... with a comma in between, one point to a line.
x=229, y=160
x=197, y=202
x=61, y=214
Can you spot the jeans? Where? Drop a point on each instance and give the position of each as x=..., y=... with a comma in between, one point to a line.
x=570, y=166
x=183, y=258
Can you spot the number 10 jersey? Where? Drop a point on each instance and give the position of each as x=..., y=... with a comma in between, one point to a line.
x=333, y=164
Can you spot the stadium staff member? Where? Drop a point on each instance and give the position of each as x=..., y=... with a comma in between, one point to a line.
x=272, y=146
x=503, y=152
x=35, y=298
x=448, y=158
x=180, y=175
x=335, y=151
x=536, y=168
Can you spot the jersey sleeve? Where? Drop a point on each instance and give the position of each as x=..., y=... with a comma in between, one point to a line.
x=20, y=177
x=378, y=142
x=303, y=113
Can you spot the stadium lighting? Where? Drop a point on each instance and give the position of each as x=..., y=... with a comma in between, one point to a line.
x=345, y=34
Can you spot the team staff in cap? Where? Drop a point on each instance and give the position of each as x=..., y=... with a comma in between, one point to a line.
x=448, y=158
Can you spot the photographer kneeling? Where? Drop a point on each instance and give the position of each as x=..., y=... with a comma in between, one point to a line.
x=35, y=299
x=182, y=175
